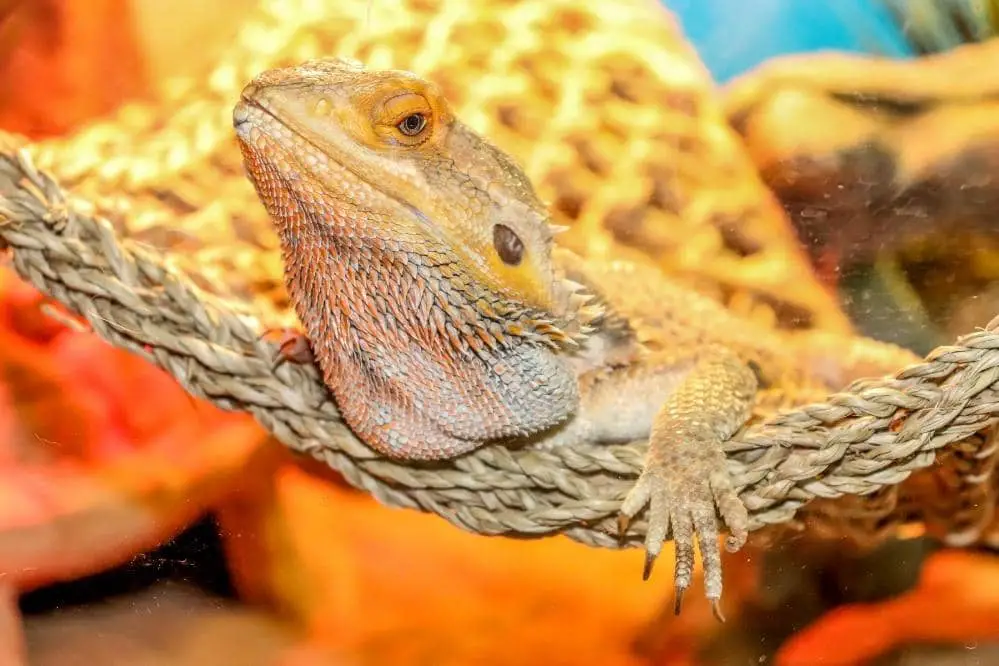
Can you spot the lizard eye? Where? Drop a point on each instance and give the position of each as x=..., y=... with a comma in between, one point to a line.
x=406, y=119
x=508, y=245
x=412, y=124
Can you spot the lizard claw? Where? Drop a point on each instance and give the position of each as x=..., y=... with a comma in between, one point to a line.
x=683, y=499
x=293, y=347
x=716, y=610
x=623, y=522
x=650, y=561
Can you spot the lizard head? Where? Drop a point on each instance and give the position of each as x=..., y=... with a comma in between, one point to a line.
x=417, y=256
x=382, y=156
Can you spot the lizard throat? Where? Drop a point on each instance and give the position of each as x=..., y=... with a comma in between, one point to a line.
x=409, y=359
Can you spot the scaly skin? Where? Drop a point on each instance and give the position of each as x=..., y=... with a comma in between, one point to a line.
x=443, y=318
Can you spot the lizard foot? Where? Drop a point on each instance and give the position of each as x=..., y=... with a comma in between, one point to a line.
x=683, y=497
x=293, y=347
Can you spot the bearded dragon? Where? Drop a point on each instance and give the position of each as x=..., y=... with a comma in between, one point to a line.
x=444, y=318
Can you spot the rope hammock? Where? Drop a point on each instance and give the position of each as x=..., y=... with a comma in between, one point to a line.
x=871, y=436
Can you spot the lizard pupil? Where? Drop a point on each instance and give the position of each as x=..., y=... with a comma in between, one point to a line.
x=508, y=245
x=412, y=124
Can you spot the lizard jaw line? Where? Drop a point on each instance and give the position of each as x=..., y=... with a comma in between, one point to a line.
x=250, y=116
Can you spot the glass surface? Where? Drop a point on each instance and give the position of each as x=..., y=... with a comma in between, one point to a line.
x=823, y=170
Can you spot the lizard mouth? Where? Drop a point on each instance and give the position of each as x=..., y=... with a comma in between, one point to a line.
x=245, y=109
x=241, y=119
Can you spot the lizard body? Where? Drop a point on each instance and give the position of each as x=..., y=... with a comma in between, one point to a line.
x=444, y=318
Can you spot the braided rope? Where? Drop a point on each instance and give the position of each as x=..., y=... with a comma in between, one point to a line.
x=874, y=434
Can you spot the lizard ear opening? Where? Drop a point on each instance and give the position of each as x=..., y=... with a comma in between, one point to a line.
x=508, y=244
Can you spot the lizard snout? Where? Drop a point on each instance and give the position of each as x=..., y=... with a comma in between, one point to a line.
x=241, y=119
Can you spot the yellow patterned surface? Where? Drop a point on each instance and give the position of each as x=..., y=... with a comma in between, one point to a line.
x=606, y=106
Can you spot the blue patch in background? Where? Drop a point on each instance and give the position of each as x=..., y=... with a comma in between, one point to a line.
x=733, y=36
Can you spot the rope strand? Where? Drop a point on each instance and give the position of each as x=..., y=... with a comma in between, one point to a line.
x=872, y=435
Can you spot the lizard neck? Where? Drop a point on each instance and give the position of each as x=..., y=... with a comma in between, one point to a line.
x=414, y=363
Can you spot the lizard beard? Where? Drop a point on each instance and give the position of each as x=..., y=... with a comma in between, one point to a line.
x=403, y=351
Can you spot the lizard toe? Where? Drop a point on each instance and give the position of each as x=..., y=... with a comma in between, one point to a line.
x=293, y=347
x=733, y=511
x=687, y=504
x=683, y=544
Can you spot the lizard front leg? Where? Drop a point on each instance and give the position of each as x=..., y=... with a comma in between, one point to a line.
x=709, y=395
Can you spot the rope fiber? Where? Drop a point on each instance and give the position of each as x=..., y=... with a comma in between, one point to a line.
x=873, y=435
